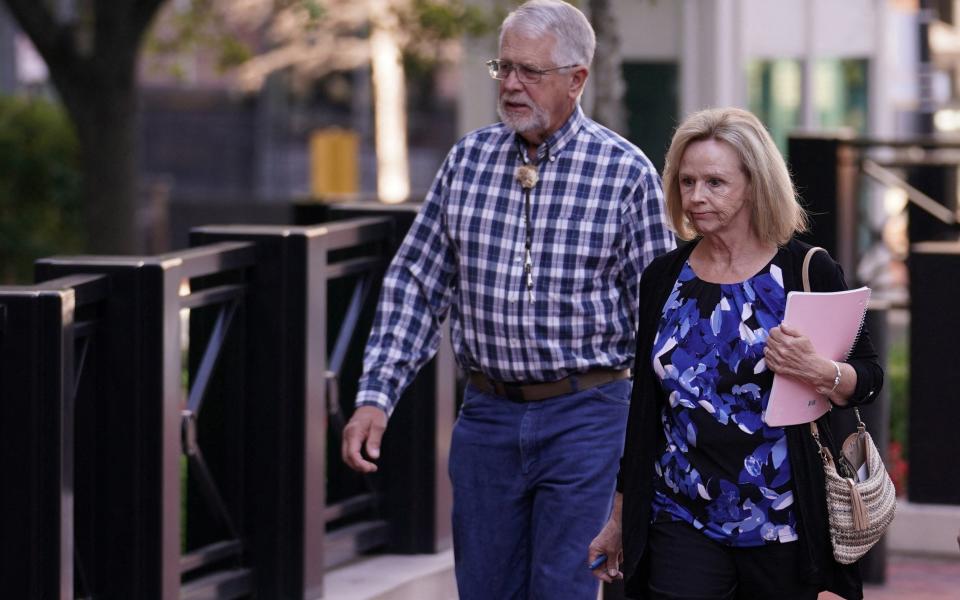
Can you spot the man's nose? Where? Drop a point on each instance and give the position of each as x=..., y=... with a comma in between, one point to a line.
x=512, y=81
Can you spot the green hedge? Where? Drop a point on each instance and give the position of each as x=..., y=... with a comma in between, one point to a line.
x=40, y=206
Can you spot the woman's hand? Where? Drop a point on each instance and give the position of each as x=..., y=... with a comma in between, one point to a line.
x=609, y=543
x=789, y=352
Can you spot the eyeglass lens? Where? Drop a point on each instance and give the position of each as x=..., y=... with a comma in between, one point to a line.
x=500, y=69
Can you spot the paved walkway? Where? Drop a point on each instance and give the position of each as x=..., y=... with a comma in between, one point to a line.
x=430, y=577
x=915, y=578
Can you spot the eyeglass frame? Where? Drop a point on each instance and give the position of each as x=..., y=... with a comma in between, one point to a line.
x=539, y=73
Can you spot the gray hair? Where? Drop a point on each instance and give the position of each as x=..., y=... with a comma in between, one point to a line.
x=575, y=38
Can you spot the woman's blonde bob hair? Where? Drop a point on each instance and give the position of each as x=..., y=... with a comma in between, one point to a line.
x=776, y=213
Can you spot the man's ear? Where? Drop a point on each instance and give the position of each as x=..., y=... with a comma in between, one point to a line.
x=577, y=81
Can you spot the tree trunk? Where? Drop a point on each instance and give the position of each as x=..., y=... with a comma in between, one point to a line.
x=107, y=128
x=92, y=60
x=607, y=76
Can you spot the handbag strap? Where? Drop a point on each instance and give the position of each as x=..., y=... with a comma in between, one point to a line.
x=824, y=451
x=825, y=454
x=805, y=270
x=805, y=276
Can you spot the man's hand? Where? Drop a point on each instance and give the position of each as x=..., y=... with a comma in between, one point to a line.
x=607, y=543
x=610, y=544
x=365, y=429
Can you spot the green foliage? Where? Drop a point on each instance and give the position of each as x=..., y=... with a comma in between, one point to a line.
x=232, y=52
x=897, y=378
x=447, y=19
x=314, y=9
x=40, y=186
x=197, y=26
x=430, y=23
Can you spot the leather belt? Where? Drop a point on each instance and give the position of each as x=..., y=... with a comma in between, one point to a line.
x=533, y=392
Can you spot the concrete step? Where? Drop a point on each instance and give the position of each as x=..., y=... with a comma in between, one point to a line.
x=925, y=529
x=394, y=577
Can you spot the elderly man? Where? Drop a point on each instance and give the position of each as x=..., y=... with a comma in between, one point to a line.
x=532, y=238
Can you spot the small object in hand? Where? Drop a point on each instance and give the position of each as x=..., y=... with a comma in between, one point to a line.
x=599, y=560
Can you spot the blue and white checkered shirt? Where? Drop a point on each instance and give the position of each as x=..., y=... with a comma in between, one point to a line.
x=597, y=220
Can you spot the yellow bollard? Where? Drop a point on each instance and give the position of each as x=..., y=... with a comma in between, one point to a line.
x=334, y=169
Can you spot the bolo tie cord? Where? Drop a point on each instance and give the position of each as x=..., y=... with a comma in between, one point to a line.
x=528, y=226
x=528, y=259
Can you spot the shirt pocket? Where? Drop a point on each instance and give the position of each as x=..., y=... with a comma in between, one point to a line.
x=580, y=242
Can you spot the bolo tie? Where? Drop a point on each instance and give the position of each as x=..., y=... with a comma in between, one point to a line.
x=526, y=175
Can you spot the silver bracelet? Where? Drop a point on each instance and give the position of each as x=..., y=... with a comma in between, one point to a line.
x=836, y=380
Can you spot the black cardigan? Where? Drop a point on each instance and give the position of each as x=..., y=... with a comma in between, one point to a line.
x=644, y=435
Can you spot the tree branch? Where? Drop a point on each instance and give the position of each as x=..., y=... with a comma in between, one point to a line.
x=119, y=27
x=53, y=41
x=142, y=14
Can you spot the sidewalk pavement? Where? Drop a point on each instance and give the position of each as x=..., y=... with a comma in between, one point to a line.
x=915, y=578
x=923, y=563
x=430, y=577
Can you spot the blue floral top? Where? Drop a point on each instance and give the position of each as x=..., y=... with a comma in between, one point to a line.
x=723, y=470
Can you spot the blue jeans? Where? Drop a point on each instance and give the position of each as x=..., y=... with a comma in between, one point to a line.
x=532, y=485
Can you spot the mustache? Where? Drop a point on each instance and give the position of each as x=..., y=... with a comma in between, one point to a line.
x=517, y=100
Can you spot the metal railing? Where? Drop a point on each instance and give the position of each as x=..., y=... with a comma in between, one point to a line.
x=146, y=468
x=47, y=333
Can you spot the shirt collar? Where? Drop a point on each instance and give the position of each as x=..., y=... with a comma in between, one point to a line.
x=553, y=145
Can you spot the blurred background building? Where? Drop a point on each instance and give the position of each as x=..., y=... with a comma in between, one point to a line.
x=859, y=67
x=800, y=64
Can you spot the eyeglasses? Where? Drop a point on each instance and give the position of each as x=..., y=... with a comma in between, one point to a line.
x=501, y=69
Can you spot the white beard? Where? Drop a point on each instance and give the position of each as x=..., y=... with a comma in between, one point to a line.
x=538, y=120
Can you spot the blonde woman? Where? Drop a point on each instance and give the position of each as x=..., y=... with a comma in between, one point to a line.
x=712, y=502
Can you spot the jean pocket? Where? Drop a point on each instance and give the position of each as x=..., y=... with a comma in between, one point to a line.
x=615, y=392
x=472, y=398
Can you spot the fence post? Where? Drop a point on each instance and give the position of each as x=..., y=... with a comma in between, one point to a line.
x=416, y=489
x=136, y=446
x=285, y=312
x=36, y=442
x=825, y=172
x=934, y=373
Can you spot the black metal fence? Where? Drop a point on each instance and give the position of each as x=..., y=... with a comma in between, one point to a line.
x=170, y=424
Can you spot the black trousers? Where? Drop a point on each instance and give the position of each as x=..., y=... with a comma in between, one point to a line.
x=687, y=565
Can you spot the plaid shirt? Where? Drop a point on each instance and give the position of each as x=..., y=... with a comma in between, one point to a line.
x=597, y=220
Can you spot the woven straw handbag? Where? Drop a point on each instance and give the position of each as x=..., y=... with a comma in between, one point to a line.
x=860, y=511
x=861, y=499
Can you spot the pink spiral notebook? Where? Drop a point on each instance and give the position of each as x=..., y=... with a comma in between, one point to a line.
x=832, y=321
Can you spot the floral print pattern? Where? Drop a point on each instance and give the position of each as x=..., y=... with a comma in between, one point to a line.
x=723, y=470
